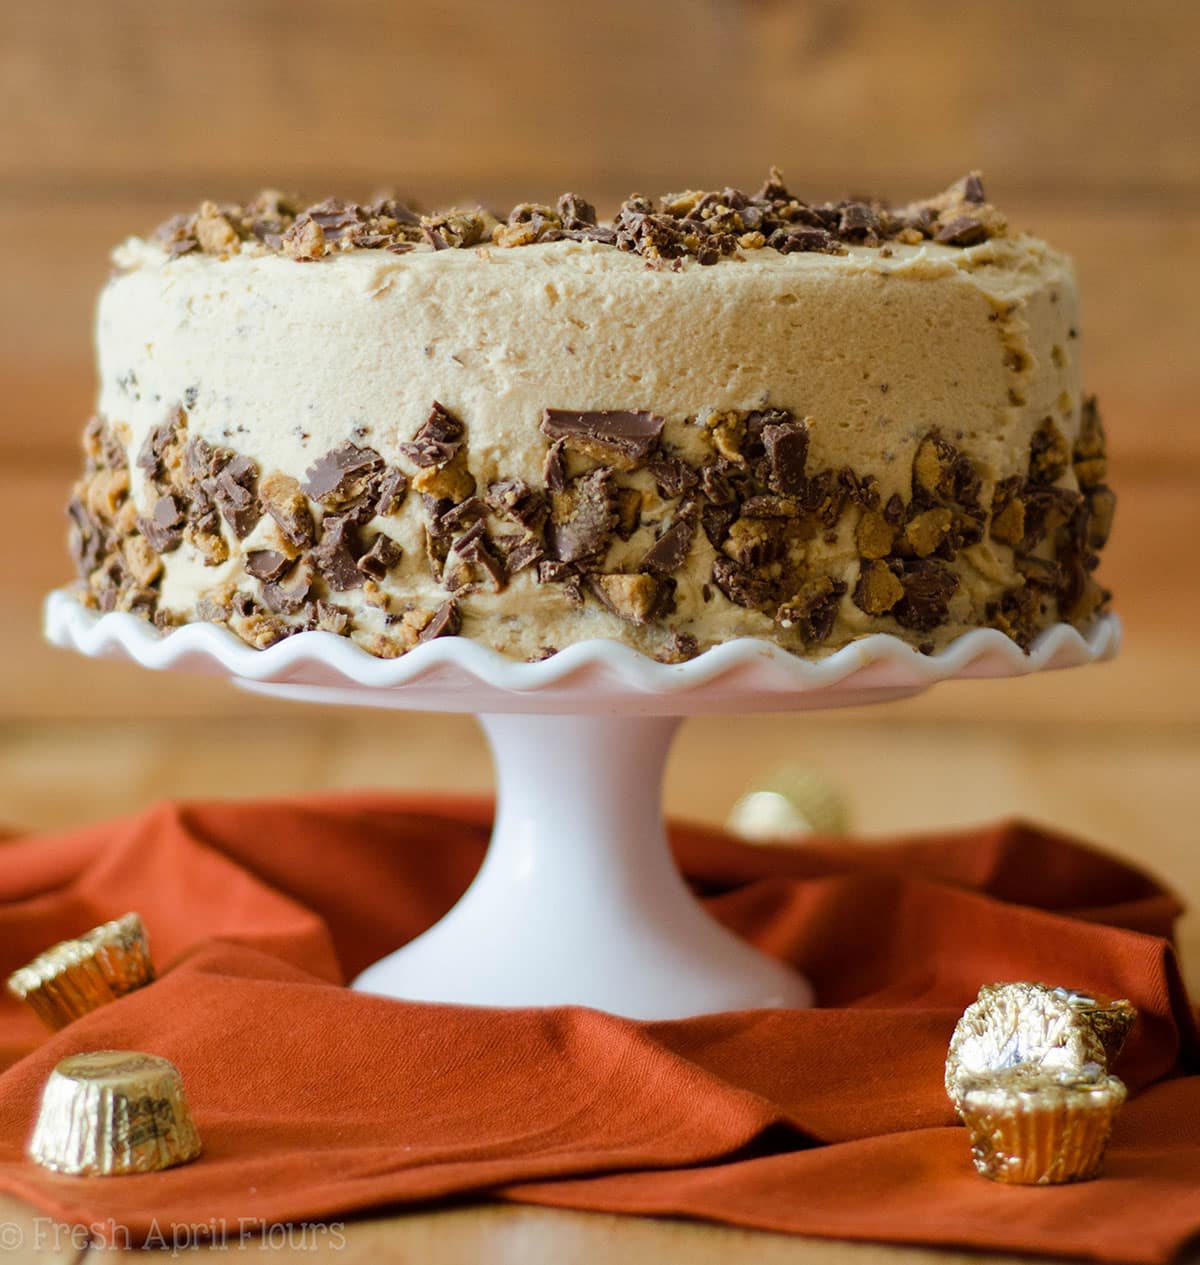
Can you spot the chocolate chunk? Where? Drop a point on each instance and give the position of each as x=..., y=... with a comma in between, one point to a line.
x=150, y=457
x=928, y=587
x=337, y=553
x=380, y=558
x=623, y=439
x=679, y=647
x=859, y=223
x=1008, y=512
x=770, y=507
x=446, y=622
x=554, y=469
x=756, y=542
x=717, y=485
x=515, y=499
x=789, y=240
x=282, y=498
x=972, y=188
x=266, y=564
x=786, y=447
x=391, y=492
x=519, y=552
x=86, y=539
x=893, y=511
x=287, y=594
x=878, y=589
x=462, y=515
x=741, y=585
x=813, y=609
x=475, y=552
x=168, y=512
x=200, y=460
x=824, y=496
x=1049, y=454
x=455, y=229
x=627, y=502
x=633, y=598
x=1046, y=510
x=962, y=230
x=138, y=601
x=1040, y=572
x=670, y=551
x=164, y=527
x=437, y=549
x=553, y=572
x=1017, y=614
x=326, y=617
x=583, y=518
x=1102, y=504
x=335, y=214
x=673, y=477
x=342, y=475
x=1089, y=457
x=234, y=489
x=862, y=490
x=716, y=521
x=243, y=604
x=438, y=439
x=575, y=212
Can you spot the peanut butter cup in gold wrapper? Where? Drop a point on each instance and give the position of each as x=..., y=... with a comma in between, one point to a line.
x=790, y=804
x=111, y=1113
x=1021, y=1025
x=1112, y=1018
x=1034, y=1126
x=77, y=976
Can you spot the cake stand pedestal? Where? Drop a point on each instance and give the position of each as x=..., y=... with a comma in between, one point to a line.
x=578, y=901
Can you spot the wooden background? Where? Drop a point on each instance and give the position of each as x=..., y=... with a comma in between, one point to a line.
x=1083, y=114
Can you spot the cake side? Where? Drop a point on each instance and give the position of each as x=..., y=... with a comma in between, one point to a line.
x=533, y=447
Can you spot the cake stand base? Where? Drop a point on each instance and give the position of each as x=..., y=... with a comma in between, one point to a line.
x=579, y=901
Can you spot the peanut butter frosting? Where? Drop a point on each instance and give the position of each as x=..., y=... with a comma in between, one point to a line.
x=702, y=421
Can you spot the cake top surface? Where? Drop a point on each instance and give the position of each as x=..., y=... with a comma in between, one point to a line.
x=694, y=225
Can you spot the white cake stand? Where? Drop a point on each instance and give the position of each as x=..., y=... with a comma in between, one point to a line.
x=578, y=900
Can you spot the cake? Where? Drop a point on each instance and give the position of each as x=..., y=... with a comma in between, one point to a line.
x=717, y=415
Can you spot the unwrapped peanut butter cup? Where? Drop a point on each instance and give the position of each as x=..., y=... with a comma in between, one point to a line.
x=77, y=976
x=1037, y=1126
x=113, y=1112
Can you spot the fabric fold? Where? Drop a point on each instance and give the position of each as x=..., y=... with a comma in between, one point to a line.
x=316, y=1102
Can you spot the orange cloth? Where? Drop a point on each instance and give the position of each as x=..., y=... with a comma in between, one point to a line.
x=314, y=1102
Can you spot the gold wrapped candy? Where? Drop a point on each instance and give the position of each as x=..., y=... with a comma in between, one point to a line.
x=1011, y=1025
x=790, y=803
x=1027, y=1070
x=1035, y=1127
x=113, y=1112
x=1111, y=1018
x=77, y=976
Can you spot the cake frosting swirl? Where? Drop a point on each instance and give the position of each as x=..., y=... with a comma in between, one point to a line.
x=701, y=421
